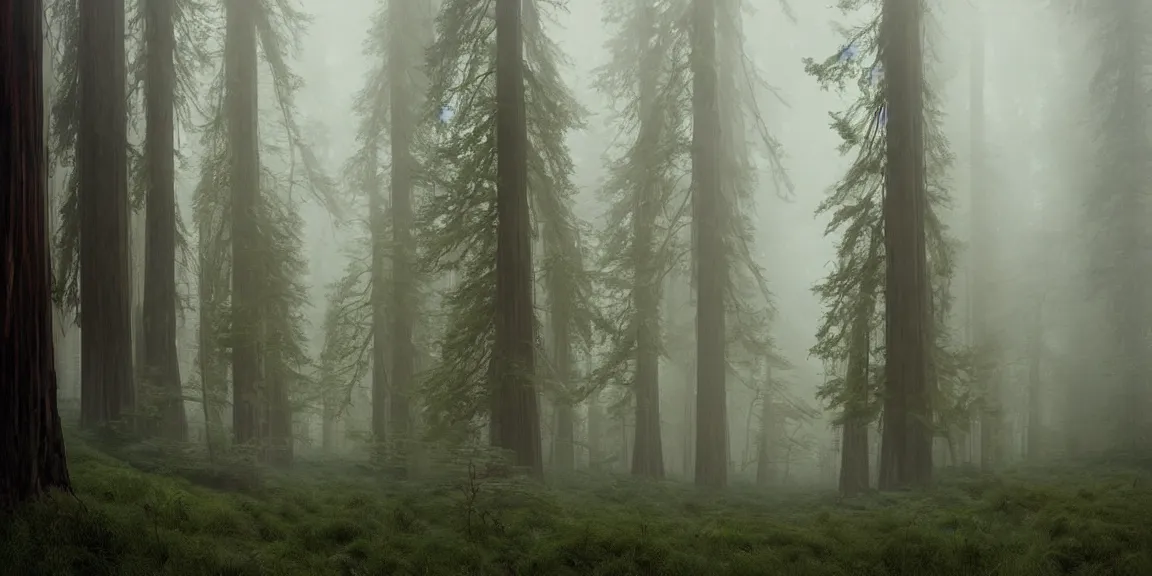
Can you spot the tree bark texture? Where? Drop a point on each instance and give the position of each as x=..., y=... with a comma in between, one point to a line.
x=107, y=386
x=404, y=59
x=248, y=273
x=906, y=451
x=648, y=453
x=32, y=457
x=378, y=300
x=711, y=262
x=519, y=416
x=161, y=368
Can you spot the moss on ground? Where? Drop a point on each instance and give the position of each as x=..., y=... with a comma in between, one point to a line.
x=347, y=520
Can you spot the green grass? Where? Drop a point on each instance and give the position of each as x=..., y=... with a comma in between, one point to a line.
x=346, y=520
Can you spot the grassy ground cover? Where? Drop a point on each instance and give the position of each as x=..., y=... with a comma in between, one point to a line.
x=342, y=519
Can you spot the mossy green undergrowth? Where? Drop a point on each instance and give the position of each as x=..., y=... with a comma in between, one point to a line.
x=345, y=520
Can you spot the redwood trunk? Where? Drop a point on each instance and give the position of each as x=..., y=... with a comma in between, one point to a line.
x=518, y=417
x=401, y=66
x=711, y=265
x=32, y=452
x=906, y=452
x=648, y=452
x=240, y=74
x=105, y=269
x=161, y=364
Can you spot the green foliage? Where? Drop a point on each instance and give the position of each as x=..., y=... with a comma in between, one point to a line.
x=645, y=181
x=194, y=25
x=288, y=164
x=855, y=210
x=458, y=235
x=339, y=519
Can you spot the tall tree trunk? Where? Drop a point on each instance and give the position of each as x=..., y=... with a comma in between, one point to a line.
x=32, y=453
x=161, y=364
x=281, y=434
x=648, y=453
x=248, y=274
x=404, y=58
x=560, y=326
x=854, y=453
x=981, y=266
x=519, y=418
x=764, y=464
x=379, y=303
x=105, y=267
x=595, y=431
x=906, y=450
x=855, y=472
x=1034, y=431
x=711, y=266
x=205, y=334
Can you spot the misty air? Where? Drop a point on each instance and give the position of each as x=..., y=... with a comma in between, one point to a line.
x=568, y=287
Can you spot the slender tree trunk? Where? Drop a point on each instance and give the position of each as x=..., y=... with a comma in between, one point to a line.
x=595, y=431
x=854, y=454
x=519, y=418
x=711, y=266
x=161, y=363
x=248, y=274
x=906, y=451
x=764, y=475
x=403, y=60
x=560, y=326
x=32, y=453
x=981, y=230
x=105, y=267
x=1034, y=431
x=379, y=304
x=205, y=335
x=648, y=453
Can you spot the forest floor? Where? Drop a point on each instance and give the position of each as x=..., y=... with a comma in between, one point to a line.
x=1069, y=519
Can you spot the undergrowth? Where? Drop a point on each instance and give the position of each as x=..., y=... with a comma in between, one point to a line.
x=343, y=519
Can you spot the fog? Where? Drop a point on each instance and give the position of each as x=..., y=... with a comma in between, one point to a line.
x=578, y=286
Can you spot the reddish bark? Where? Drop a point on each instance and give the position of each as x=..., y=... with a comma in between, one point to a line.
x=32, y=453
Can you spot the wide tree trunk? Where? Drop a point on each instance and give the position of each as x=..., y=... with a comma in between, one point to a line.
x=107, y=386
x=519, y=417
x=711, y=260
x=906, y=451
x=248, y=274
x=161, y=369
x=32, y=451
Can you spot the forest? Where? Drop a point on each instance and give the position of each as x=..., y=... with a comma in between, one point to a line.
x=567, y=287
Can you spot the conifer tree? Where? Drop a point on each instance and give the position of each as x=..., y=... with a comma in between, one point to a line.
x=107, y=385
x=375, y=304
x=516, y=413
x=464, y=386
x=567, y=285
x=250, y=231
x=169, y=60
x=850, y=334
x=1117, y=204
x=708, y=217
x=32, y=453
x=646, y=80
